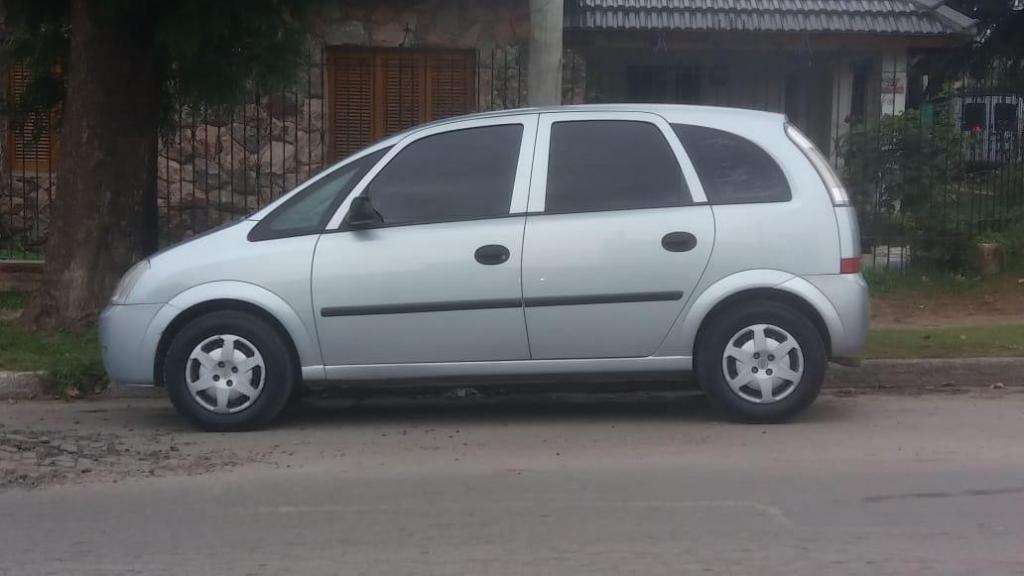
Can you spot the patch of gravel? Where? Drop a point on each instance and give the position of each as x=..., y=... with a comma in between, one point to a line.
x=33, y=458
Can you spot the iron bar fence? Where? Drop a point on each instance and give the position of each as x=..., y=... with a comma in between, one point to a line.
x=926, y=183
x=932, y=182
x=214, y=167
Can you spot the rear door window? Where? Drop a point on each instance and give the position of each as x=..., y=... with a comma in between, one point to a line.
x=611, y=165
x=732, y=169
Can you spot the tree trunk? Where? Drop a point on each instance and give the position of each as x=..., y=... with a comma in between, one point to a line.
x=107, y=160
x=5, y=175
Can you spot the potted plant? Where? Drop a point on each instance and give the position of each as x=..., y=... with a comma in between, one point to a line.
x=991, y=253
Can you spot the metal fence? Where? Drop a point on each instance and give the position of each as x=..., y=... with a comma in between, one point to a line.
x=213, y=167
x=926, y=184
x=931, y=183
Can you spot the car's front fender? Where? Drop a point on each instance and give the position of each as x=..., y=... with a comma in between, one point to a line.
x=302, y=336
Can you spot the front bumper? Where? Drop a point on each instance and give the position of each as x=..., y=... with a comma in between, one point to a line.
x=124, y=335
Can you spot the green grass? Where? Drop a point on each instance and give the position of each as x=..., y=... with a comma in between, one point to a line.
x=934, y=282
x=947, y=342
x=885, y=282
x=72, y=360
x=12, y=300
x=21, y=254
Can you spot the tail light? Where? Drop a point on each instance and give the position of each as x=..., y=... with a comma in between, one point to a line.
x=849, y=266
x=828, y=176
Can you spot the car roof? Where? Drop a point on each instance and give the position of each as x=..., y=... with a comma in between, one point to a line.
x=709, y=112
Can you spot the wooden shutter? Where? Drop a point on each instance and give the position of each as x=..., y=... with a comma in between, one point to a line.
x=450, y=84
x=375, y=93
x=402, y=92
x=32, y=141
x=351, y=102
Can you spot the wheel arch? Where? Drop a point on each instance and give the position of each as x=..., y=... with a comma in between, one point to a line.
x=754, y=285
x=238, y=296
x=766, y=295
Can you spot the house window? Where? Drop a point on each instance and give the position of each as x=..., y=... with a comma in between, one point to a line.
x=376, y=92
x=973, y=117
x=1005, y=116
x=31, y=141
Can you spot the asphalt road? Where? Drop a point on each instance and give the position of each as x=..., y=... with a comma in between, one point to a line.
x=639, y=484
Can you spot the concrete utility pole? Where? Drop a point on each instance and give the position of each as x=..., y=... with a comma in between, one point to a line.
x=545, y=74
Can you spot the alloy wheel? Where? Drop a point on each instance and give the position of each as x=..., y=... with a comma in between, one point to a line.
x=763, y=363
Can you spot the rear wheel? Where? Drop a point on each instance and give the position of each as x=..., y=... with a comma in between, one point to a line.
x=761, y=361
x=229, y=370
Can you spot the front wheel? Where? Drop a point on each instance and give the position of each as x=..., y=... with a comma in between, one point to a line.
x=761, y=362
x=229, y=370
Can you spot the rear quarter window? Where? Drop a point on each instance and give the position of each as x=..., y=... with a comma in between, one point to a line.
x=732, y=169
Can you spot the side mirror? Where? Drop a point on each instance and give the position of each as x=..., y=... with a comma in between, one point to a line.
x=362, y=214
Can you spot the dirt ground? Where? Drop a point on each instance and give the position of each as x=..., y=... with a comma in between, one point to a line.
x=45, y=443
x=996, y=301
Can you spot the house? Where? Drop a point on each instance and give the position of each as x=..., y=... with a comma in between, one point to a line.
x=381, y=66
x=824, y=63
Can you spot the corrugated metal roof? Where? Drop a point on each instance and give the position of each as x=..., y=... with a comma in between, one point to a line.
x=898, y=17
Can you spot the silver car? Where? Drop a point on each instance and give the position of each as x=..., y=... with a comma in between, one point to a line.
x=539, y=242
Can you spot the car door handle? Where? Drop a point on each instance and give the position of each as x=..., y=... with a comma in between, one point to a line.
x=491, y=254
x=678, y=241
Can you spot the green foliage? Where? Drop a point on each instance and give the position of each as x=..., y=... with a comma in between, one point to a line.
x=883, y=281
x=903, y=168
x=72, y=361
x=10, y=300
x=1012, y=239
x=36, y=38
x=73, y=373
x=1000, y=23
x=210, y=54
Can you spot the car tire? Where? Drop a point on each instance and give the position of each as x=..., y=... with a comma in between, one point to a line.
x=738, y=370
x=242, y=389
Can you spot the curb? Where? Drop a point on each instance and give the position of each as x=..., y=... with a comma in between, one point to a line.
x=23, y=385
x=36, y=386
x=928, y=374
x=917, y=374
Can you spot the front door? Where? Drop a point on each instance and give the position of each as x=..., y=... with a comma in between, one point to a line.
x=438, y=279
x=615, y=241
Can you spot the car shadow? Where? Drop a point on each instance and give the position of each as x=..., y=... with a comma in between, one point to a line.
x=518, y=404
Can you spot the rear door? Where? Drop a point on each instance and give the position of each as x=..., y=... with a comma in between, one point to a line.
x=617, y=237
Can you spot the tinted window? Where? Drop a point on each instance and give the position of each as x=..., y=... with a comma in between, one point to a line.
x=308, y=211
x=732, y=169
x=611, y=165
x=459, y=175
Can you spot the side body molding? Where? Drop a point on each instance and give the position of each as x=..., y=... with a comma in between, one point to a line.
x=301, y=334
x=683, y=335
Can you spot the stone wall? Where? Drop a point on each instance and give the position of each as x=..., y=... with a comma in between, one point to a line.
x=214, y=169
